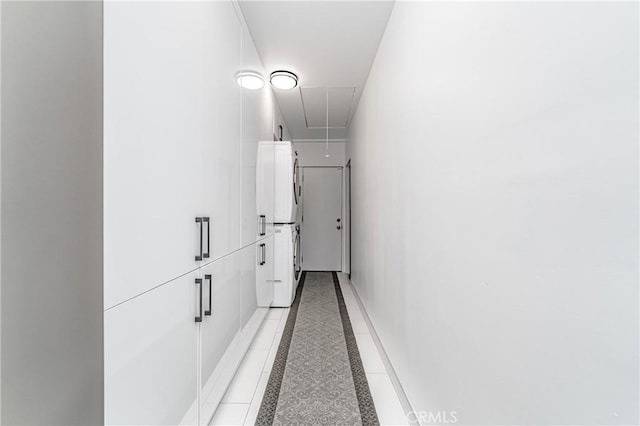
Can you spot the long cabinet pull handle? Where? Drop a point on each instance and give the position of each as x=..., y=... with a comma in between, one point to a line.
x=199, y=257
x=206, y=220
x=208, y=277
x=263, y=254
x=199, y=283
x=263, y=225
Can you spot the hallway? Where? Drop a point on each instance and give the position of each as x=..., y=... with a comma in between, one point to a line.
x=243, y=399
x=178, y=177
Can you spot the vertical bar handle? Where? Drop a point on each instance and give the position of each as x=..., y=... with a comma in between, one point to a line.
x=263, y=225
x=263, y=254
x=199, y=257
x=199, y=282
x=208, y=277
x=206, y=220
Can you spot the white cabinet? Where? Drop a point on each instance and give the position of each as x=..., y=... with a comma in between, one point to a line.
x=265, y=187
x=172, y=140
x=231, y=317
x=221, y=124
x=180, y=143
x=257, y=125
x=171, y=353
x=264, y=271
x=248, y=280
x=151, y=357
x=152, y=148
x=219, y=330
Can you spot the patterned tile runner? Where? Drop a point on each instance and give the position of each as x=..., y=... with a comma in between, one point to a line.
x=317, y=377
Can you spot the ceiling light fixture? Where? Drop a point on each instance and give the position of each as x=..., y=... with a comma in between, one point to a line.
x=250, y=80
x=285, y=80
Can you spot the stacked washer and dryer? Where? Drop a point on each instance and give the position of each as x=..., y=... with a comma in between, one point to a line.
x=281, y=159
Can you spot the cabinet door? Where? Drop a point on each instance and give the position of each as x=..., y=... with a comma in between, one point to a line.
x=219, y=330
x=264, y=271
x=248, y=295
x=257, y=125
x=265, y=185
x=220, y=117
x=152, y=155
x=150, y=356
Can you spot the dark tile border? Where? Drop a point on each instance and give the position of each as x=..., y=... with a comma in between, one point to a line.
x=365, y=401
x=269, y=403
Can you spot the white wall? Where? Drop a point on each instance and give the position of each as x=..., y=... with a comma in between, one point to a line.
x=52, y=329
x=495, y=204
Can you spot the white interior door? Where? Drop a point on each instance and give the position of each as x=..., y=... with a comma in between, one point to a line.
x=322, y=219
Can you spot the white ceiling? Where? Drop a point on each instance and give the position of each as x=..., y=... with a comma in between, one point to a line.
x=328, y=44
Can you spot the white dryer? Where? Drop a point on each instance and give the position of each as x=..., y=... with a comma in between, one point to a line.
x=287, y=269
x=287, y=183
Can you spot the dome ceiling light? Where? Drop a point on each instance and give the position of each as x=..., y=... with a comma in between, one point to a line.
x=285, y=80
x=250, y=80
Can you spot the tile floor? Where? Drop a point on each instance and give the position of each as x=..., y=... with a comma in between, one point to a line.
x=242, y=400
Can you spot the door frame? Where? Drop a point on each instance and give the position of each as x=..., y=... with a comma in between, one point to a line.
x=346, y=173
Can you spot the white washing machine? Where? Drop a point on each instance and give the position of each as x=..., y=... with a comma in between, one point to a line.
x=287, y=269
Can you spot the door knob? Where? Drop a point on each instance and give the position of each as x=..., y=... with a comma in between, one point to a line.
x=338, y=227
